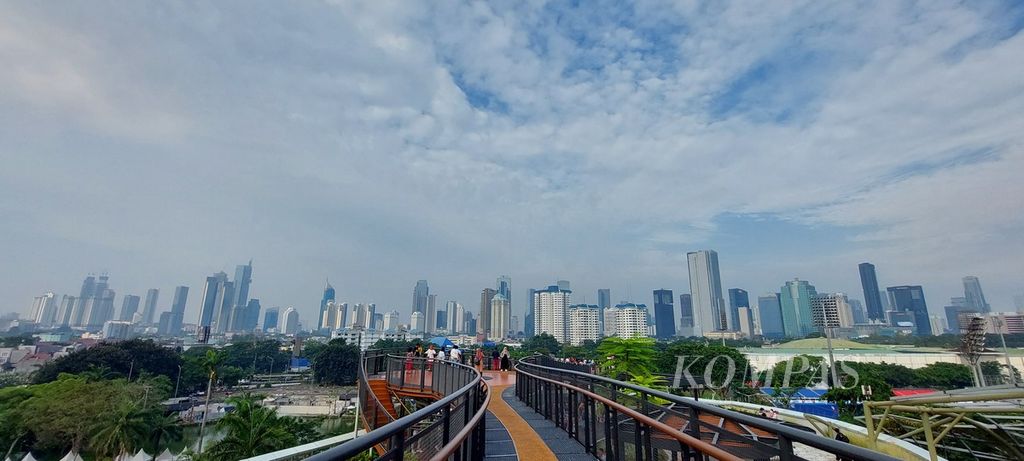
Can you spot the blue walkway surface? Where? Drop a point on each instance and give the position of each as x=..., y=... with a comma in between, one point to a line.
x=563, y=446
x=499, y=445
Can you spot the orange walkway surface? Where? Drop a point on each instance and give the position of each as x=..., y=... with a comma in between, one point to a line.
x=529, y=445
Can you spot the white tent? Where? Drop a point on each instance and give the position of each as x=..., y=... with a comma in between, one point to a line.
x=123, y=457
x=141, y=456
x=28, y=457
x=166, y=455
x=72, y=456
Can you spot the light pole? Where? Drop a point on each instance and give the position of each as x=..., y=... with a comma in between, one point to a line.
x=177, y=382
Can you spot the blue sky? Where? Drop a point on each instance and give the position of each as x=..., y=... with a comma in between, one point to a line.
x=377, y=143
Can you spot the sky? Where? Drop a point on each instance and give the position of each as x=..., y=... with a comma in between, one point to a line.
x=377, y=143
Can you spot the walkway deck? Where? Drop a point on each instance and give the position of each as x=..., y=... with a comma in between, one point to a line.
x=530, y=436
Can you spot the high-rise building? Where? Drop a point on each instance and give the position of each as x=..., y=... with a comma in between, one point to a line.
x=390, y=321
x=746, y=326
x=177, y=310
x=770, y=312
x=604, y=298
x=631, y=320
x=515, y=324
x=563, y=285
x=706, y=291
x=483, y=325
x=243, y=278
x=250, y=317
x=129, y=306
x=872, y=295
x=431, y=316
x=416, y=322
x=222, y=317
x=583, y=323
x=910, y=299
x=550, y=308
x=99, y=308
x=328, y=317
x=504, y=286
x=859, y=316
x=664, y=314
x=44, y=309
x=955, y=310
x=737, y=298
x=77, y=316
x=501, y=318
x=291, y=321
x=420, y=294
x=209, y=306
x=442, y=321
x=795, y=301
x=831, y=310
x=271, y=319
x=686, y=328
x=149, y=307
x=529, y=324
x=67, y=307
x=975, y=297
x=457, y=317
x=610, y=321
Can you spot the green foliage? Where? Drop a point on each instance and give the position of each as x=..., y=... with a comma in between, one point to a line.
x=542, y=344
x=251, y=430
x=121, y=358
x=699, y=355
x=799, y=375
x=124, y=428
x=13, y=379
x=230, y=375
x=251, y=355
x=336, y=364
x=626, y=358
x=25, y=339
x=944, y=376
x=586, y=351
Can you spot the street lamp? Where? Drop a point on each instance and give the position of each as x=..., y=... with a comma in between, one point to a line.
x=177, y=382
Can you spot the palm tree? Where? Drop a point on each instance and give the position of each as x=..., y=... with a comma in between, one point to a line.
x=211, y=363
x=251, y=430
x=163, y=428
x=630, y=357
x=121, y=430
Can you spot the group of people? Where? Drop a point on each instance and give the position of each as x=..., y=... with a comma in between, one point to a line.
x=769, y=413
x=499, y=360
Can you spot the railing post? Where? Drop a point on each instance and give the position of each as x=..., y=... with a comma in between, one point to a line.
x=785, y=448
x=446, y=417
x=398, y=445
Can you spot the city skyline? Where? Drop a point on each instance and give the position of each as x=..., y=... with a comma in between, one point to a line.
x=387, y=144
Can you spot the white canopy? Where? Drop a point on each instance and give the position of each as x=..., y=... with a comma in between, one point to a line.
x=166, y=455
x=72, y=456
x=28, y=457
x=141, y=456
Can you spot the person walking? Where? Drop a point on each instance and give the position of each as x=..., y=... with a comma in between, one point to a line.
x=495, y=360
x=456, y=354
x=480, y=360
x=431, y=354
x=506, y=359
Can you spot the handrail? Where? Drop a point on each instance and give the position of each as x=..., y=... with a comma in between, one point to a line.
x=689, y=440
x=792, y=434
x=449, y=449
x=395, y=431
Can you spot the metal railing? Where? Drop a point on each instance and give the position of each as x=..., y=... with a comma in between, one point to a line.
x=451, y=427
x=615, y=420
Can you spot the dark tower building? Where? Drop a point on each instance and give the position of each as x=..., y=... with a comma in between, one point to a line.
x=910, y=299
x=872, y=296
x=738, y=298
x=664, y=315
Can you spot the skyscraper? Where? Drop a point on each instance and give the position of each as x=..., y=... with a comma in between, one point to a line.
x=328, y=317
x=390, y=321
x=416, y=322
x=583, y=323
x=483, y=324
x=604, y=298
x=431, y=307
x=501, y=318
x=830, y=310
x=251, y=316
x=208, y=307
x=686, y=315
x=270, y=318
x=99, y=308
x=291, y=321
x=528, y=325
x=456, y=317
x=420, y=294
x=243, y=278
x=737, y=298
x=872, y=296
x=222, y=318
x=67, y=307
x=149, y=308
x=795, y=300
x=77, y=316
x=550, y=307
x=44, y=309
x=664, y=314
x=630, y=320
x=910, y=299
x=770, y=312
x=706, y=292
x=504, y=286
x=956, y=307
x=129, y=306
x=177, y=316
x=975, y=297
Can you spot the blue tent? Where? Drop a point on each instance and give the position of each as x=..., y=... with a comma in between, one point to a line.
x=441, y=341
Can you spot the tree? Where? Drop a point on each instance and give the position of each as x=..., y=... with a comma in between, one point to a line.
x=542, y=344
x=251, y=430
x=163, y=428
x=698, y=356
x=626, y=358
x=336, y=364
x=122, y=429
x=211, y=363
x=944, y=376
x=134, y=356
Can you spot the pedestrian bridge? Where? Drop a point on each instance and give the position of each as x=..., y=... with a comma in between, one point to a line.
x=415, y=409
